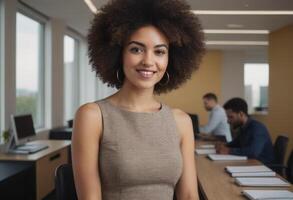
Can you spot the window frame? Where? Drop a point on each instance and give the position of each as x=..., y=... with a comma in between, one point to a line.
x=2, y=70
x=43, y=20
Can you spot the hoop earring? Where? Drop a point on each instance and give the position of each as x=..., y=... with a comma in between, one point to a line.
x=117, y=76
x=168, y=79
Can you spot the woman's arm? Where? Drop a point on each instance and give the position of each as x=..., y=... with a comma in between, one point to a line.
x=85, y=151
x=186, y=188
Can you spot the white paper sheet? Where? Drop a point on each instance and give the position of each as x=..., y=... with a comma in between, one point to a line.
x=267, y=181
x=268, y=194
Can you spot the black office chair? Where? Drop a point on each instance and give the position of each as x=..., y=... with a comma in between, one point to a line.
x=280, y=148
x=289, y=169
x=64, y=183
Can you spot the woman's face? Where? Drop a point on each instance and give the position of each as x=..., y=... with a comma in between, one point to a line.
x=145, y=57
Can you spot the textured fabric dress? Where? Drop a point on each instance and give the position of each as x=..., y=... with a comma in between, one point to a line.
x=139, y=157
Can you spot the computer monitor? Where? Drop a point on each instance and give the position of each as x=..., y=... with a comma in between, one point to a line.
x=22, y=128
x=195, y=122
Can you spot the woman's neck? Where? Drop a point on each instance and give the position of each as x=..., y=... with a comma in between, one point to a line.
x=139, y=100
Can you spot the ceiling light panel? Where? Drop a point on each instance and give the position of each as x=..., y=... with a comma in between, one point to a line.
x=239, y=43
x=243, y=12
x=229, y=31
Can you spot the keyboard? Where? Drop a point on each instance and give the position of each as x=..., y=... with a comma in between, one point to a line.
x=28, y=148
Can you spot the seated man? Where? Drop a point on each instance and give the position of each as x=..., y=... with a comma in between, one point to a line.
x=217, y=125
x=253, y=140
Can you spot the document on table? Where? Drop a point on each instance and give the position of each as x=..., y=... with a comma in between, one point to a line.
x=267, y=194
x=205, y=151
x=252, y=168
x=266, y=181
x=253, y=174
x=249, y=171
x=207, y=146
x=224, y=157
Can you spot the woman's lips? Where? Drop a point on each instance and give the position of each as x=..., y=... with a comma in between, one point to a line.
x=146, y=73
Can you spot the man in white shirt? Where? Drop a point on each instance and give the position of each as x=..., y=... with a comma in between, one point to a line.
x=218, y=124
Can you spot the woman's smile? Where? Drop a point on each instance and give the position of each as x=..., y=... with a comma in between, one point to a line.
x=146, y=74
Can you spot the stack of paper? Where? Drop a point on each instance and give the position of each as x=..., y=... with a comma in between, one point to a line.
x=251, y=168
x=207, y=146
x=263, y=182
x=254, y=174
x=267, y=194
x=205, y=151
x=224, y=157
x=246, y=171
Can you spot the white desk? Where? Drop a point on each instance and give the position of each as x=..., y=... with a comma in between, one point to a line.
x=45, y=163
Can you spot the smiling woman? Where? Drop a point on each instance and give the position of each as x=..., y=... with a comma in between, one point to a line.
x=113, y=26
x=145, y=57
x=130, y=146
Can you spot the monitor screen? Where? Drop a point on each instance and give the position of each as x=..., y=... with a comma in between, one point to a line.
x=195, y=122
x=23, y=127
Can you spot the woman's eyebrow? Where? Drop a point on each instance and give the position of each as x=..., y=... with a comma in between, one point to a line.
x=135, y=42
x=143, y=45
x=162, y=45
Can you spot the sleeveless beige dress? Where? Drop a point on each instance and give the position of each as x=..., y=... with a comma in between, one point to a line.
x=139, y=157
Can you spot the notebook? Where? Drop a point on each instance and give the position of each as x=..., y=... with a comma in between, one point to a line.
x=253, y=174
x=205, y=151
x=268, y=194
x=252, y=168
x=223, y=157
x=263, y=181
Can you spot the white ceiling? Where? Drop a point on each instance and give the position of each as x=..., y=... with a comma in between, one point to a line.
x=76, y=14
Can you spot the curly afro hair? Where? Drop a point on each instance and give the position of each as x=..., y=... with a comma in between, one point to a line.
x=118, y=19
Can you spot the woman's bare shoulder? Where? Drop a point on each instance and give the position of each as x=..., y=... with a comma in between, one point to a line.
x=180, y=115
x=89, y=110
x=88, y=117
x=183, y=122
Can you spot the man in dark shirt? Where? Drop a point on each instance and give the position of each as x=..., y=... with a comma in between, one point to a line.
x=253, y=140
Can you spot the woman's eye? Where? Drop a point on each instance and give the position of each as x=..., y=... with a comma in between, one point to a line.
x=136, y=50
x=160, y=52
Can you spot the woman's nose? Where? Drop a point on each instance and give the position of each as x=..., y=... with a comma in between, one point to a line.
x=148, y=59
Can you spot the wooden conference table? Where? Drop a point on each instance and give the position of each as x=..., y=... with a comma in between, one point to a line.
x=215, y=183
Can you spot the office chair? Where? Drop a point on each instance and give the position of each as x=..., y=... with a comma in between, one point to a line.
x=64, y=183
x=280, y=148
x=289, y=169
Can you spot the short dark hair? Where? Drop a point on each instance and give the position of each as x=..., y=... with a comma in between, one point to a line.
x=118, y=19
x=210, y=96
x=237, y=105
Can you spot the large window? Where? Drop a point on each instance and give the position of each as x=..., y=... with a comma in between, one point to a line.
x=30, y=68
x=71, y=79
x=256, y=80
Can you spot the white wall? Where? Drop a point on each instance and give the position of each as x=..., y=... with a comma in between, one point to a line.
x=9, y=57
x=233, y=75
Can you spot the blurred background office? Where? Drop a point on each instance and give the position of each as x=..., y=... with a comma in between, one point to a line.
x=44, y=66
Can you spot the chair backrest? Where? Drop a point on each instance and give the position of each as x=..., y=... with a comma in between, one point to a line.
x=64, y=183
x=280, y=148
x=289, y=170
